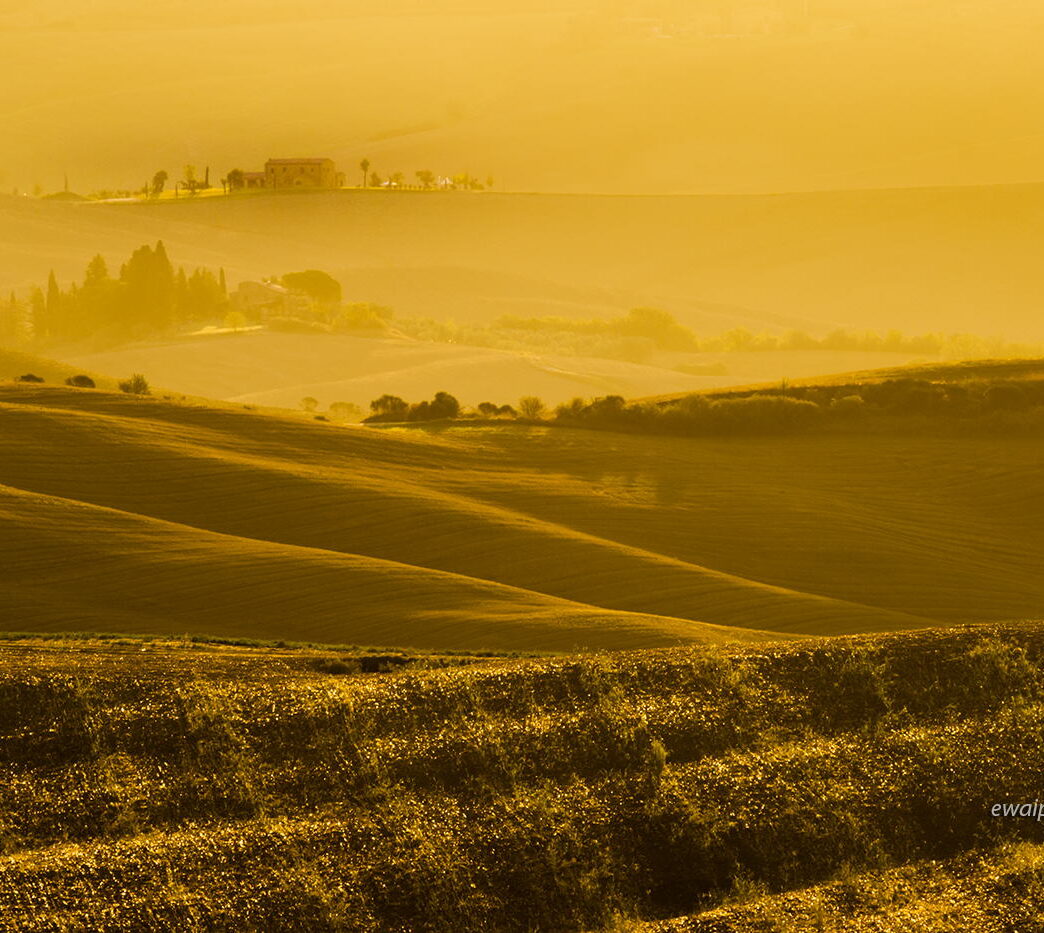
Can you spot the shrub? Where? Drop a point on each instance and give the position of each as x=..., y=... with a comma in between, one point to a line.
x=444, y=405
x=29, y=377
x=345, y=411
x=388, y=408
x=362, y=316
x=530, y=406
x=80, y=382
x=849, y=405
x=572, y=409
x=393, y=408
x=309, y=404
x=235, y=321
x=136, y=385
x=763, y=414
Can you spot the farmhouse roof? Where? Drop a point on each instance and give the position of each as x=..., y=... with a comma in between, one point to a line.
x=285, y=161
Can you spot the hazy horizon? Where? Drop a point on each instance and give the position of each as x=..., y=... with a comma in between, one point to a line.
x=654, y=97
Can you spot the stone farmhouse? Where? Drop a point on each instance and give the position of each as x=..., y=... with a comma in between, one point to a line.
x=295, y=173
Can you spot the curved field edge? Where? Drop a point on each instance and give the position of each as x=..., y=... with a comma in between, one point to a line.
x=162, y=787
x=150, y=576
x=512, y=509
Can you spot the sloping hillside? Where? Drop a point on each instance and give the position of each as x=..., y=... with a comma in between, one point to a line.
x=14, y=364
x=164, y=787
x=964, y=371
x=549, y=533
x=340, y=492
x=279, y=369
x=957, y=371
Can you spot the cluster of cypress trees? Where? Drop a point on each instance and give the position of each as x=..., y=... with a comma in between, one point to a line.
x=147, y=298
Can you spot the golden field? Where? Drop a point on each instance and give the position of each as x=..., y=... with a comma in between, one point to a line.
x=828, y=784
x=621, y=509
x=157, y=515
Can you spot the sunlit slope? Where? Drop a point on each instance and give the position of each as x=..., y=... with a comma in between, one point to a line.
x=279, y=369
x=14, y=363
x=574, y=96
x=470, y=504
x=947, y=259
x=166, y=786
x=75, y=567
x=817, y=534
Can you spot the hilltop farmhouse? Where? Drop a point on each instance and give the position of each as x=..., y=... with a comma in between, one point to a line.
x=294, y=173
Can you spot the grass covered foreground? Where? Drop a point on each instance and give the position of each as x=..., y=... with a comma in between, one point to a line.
x=155, y=786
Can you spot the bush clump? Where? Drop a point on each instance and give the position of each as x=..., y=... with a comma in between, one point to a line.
x=136, y=385
x=391, y=408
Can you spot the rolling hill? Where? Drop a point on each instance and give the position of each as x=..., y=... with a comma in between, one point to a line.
x=174, y=517
x=943, y=259
x=940, y=373
x=14, y=363
x=833, y=783
x=280, y=369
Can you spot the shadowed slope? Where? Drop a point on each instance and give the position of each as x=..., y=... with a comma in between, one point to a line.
x=78, y=566
x=940, y=527
x=443, y=503
x=826, y=534
x=945, y=528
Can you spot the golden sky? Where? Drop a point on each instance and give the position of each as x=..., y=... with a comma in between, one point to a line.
x=661, y=96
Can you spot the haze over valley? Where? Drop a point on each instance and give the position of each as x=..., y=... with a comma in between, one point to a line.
x=568, y=466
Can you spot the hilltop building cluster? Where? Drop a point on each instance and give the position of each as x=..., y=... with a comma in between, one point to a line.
x=291, y=173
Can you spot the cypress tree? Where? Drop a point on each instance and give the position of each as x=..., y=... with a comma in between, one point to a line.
x=38, y=313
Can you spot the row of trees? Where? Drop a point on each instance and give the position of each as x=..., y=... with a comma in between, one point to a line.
x=786, y=410
x=191, y=183
x=393, y=409
x=666, y=333
x=426, y=180
x=148, y=296
x=641, y=333
x=137, y=384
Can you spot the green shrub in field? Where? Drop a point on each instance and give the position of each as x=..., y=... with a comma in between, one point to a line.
x=136, y=385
